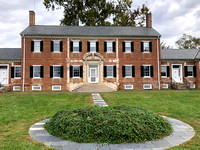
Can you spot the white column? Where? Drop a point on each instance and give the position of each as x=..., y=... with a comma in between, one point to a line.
x=117, y=60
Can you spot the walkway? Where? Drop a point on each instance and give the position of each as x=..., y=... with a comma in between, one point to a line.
x=98, y=100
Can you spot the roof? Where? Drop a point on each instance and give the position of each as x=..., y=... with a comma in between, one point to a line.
x=10, y=53
x=89, y=31
x=180, y=54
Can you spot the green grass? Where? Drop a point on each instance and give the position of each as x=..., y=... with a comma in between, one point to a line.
x=184, y=106
x=120, y=124
x=19, y=112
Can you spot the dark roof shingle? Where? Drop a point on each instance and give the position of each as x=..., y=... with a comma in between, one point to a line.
x=89, y=31
x=10, y=53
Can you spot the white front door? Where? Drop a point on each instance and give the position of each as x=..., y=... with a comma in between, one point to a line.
x=177, y=73
x=93, y=74
x=3, y=75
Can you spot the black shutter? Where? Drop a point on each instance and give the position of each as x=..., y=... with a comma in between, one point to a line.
x=133, y=71
x=61, y=46
x=71, y=71
x=168, y=71
x=195, y=71
x=105, y=71
x=142, y=48
x=80, y=46
x=150, y=46
x=32, y=46
x=97, y=46
x=185, y=69
x=31, y=71
x=61, y=71
x=123, y=71
x=51, y=71
x=52, y=46
x=151, y=68
x=41, y=71
x=105, y=46
x=123, y=46
x=113, y=46
x=81, y=71
x=132, y=46
x=41, y=46
x=71, y=46
x=12, y=72
x=88, y=46
x=114, y=71
x=142, y=71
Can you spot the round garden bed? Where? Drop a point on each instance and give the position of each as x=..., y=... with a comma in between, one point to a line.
x=120, y=124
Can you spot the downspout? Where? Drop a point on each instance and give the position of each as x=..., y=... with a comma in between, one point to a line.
x=158, y=64
x=23, y=65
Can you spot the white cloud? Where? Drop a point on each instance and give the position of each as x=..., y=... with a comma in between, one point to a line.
x=171, y=18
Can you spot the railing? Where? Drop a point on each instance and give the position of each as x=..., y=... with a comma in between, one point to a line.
x=174, y=84
x=3, y=80
x=187, y=83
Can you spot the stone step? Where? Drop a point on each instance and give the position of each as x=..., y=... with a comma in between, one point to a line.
x=93, y=88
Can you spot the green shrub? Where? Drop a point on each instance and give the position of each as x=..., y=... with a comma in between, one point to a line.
x=120, y=124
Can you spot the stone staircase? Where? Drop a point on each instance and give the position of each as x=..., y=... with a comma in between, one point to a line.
x=182, y=86
x=5, y=88
x=93, y=88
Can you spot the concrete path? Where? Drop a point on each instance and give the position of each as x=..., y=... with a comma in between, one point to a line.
x=182, y=132
x=98, y=100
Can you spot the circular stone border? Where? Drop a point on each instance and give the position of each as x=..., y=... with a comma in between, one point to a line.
x=182, y=132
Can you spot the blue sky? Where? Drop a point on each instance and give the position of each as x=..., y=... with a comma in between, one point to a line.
x=172, y=18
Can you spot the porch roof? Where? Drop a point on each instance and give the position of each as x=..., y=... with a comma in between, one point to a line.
x=10, y=53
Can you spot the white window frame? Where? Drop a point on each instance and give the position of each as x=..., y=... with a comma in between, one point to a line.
x=14, y=88
x=147, y=85
x=112, y=71
x=149, y=71
x=143, y=46
x=35, y=46
x=125, y=87
x=53, y=71
x=78, y=46
x=131, y=71
x=192, y=71
x=79, y=70
x=36, y=90
x=167, y=86
x=95, y=46
x=14, y=71
x=56, y=89
x=55, y=41
x=126, y=47
x=33, y=71
x=107, y=46
x=165, y=70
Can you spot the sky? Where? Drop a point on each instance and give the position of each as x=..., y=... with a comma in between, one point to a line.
x=171, y=18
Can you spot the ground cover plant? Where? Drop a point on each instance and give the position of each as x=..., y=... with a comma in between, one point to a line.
x=120, y=124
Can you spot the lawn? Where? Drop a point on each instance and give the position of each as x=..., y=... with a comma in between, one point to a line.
x=184, y=106
x=19, y=112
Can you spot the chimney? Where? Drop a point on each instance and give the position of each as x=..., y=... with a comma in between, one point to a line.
x=31, y=18
x=149, y=20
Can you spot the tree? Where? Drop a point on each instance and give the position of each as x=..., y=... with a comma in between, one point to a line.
x=164, y=46
x=95, y=13
x=188, y=42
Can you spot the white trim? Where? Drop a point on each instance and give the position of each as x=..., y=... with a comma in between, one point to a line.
x=117, y=62
x=131, y=71
x=165, y=86
x=79, y=72
x=181, y=71
x=36, y=40
x=53, y=71
x=16, y=88
x=23, y=89
x=192, y=86
x=112, y=72
x=40, y=88
x=147, y=88
x=33, y=71
x=192, y=71
x=53, y=87
x=131, y=87
x=7, y=72
x=14, y=71
x=149, y=71
x=89, y=77
x=161, y=71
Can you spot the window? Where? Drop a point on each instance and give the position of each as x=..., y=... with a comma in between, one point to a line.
x=146, y=47
x=76, y=71
x=56, y=46
x=92, y=47
x=190, y=71
x=36, y=71
x=110, y=71
x=128, y=87
x=108, y=47
x=147, y=86
x=164, y=71
x=128, y=47
x=17, y=71
x=16, y=88
x=36, y=88
x=36, y=46
x=128, y=71
x=76, y=46
x=56, y=87
x=147, y=71
x=56, y=71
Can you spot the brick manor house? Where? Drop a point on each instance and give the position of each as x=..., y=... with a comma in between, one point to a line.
x=68, y=57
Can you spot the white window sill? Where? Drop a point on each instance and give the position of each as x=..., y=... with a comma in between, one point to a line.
x=164, y=77
x=36, y=52
x=76, y=77
x=128, y=77
x=17, y=78
x=110, y=77
x=56, y=77
x=128, y=52
x=190, y=76
x=36, y=78
x=76, y=52
x=56, y=52
x=146, y=77
x=146, y=52
x=110, y=52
